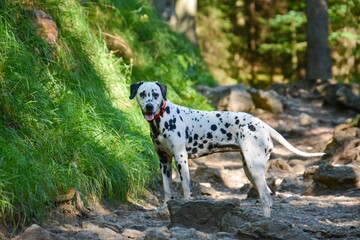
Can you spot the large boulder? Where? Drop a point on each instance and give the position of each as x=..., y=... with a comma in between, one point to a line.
x=203, y=215
x=327, y=179
x=267, y=100
x=45, y=25
x=337, y=177
x=345, y=146
x=271, y=229
x=341, y=94
x=35, y=232
x=231, y=98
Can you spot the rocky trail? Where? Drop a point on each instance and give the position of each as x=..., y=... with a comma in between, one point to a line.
x=314, y=199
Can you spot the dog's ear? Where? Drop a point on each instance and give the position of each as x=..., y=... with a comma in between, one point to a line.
x=133, y=89
x=163, y=89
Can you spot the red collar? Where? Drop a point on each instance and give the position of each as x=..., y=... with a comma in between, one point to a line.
x=162, y=110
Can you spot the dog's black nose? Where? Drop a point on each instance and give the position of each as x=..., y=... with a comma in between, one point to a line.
x=149, y=107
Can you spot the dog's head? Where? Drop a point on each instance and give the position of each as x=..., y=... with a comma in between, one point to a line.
x=150, y=96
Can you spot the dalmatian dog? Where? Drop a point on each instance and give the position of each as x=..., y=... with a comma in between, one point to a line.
x=183, y=133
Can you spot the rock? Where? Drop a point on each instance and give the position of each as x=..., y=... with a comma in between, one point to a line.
x=231, y=98
x=103, y=233
x=202, y=215
x=118, y=46
x=35, y=232
x=232, y=221
x=306, y=120
x=46, y=26
x=279, y=164
x=272, y=183
x=271, y=229
x=65, y=197
x=206, y=189
x=179, y=233
x=341, y=95
x=86, y=234
x=225, y=177
x=267, y=100
x=205, y=173
x=161, y=233
x=337, y=177
x=345, y=146
x=133, y=234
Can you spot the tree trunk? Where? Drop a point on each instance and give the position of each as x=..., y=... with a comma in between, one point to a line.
x=180, y=14
x=318, y=58
x=186, y=12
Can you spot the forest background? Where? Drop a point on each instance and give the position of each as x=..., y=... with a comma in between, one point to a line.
x=65, y=118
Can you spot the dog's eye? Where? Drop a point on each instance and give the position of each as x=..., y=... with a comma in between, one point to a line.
x=155, y=95
x=142, y=94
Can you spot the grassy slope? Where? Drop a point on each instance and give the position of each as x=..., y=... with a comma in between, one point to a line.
x=65, y=117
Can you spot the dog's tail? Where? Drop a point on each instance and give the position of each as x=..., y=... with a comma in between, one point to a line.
x=277, y=136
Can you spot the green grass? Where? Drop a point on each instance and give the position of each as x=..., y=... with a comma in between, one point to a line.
x=65, y=116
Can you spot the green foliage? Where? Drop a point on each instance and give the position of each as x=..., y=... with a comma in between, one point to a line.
x=345, y=39
x=276, y=30
x=159, y=53
x=65, y=117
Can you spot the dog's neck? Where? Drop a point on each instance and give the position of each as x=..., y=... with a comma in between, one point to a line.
x=161, y=112
x=154, y=124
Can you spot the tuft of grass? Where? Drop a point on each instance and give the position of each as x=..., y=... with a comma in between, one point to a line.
x=65, y=117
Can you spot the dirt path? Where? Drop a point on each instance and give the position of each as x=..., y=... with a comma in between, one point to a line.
x=305, y=123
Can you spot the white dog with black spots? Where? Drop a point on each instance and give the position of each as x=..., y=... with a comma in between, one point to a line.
x=183, y=133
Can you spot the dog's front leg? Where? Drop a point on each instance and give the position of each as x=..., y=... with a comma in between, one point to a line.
x=166, y=171
x=181, y=159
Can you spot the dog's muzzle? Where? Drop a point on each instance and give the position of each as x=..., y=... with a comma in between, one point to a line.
x=149, y=112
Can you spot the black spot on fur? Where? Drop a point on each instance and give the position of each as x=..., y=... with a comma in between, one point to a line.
x=209, y=135
x=201, y=146
x=251, y=128
x=194, y=150
x=177, y=110
x=196, y=137
x=223, y=131
x=187, y=132
x=172, y=124
x=190, y=139
x=168, y=174
x=195, y=144
x=227, y=125
x=218, y=115
x=179, y=134
x=237, y=121
x=164, y=169
x=179, y=167
x=167, y=109
x=213, y=127
x=229, y=135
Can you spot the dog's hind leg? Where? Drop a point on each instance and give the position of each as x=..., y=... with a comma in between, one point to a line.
x=255, y=158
